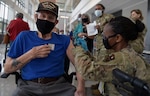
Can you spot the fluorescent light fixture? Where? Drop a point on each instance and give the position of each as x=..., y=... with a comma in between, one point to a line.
x=64, y=17
x=61, y=9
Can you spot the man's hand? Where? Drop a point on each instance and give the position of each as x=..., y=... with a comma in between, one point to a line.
x=40, y=51
x=36, y=52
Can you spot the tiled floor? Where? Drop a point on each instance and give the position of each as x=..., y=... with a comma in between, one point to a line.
x=7, y=86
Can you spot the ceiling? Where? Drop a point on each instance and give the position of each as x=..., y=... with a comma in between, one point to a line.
x=112, y=5
x=64, y=5
x=67, y=5
x=115, y=5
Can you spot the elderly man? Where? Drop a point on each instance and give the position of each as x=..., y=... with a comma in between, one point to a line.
x=39, y=55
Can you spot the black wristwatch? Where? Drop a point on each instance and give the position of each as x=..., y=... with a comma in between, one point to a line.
x=15, y=62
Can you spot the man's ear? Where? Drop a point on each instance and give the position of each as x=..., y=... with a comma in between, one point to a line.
x=35, y=17
x=56, y=22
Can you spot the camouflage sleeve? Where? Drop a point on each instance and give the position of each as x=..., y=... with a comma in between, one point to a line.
x=92, y=69
x=105, y=20
x=141, y=67
x=109, y=17
x=138, y=44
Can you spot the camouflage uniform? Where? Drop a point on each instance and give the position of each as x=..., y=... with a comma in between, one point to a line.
x=98, y=45
x=101, y=69
x=138, y=44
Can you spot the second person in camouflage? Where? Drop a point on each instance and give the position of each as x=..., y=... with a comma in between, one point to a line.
x=116, y=35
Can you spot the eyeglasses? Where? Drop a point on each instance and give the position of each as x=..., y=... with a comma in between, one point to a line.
x=104, y=37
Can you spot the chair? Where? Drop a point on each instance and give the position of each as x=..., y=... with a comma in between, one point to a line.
x=4, y=75
x=128, y=85
x=68, y=77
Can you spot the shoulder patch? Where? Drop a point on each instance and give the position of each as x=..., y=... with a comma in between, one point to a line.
x=109, y=57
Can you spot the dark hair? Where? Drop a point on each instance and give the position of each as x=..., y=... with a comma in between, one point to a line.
x=138, y=11
x=79, y=15
x=101, y=6
x=86, y=16
x=19, y=15
x=140, y=25
x=125, y=27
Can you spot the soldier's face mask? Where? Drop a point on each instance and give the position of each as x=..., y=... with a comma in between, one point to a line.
x=98, y=13
x=106, y=42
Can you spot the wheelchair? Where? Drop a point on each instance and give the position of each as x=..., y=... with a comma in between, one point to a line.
x=128, y=85
x=4, y=75
x=68, y=77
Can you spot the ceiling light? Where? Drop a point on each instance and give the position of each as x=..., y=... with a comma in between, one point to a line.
x=61, y=9
x=64, y=17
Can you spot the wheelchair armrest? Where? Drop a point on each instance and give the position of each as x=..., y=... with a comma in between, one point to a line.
x=17, y=75
x=5, y=75
x=69, y=77
x=135, y=86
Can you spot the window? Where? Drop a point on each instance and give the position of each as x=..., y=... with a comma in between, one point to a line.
x=3, y=17
x=20, y=3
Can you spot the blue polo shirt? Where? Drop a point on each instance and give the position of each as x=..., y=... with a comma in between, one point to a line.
x=51, y=66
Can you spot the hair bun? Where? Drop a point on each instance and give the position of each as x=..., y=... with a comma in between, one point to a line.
x=139, y=26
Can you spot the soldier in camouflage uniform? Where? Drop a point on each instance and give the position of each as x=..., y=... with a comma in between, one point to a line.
x=98, y=47
x=138, y=44
x=101, y=21
x=116, y=35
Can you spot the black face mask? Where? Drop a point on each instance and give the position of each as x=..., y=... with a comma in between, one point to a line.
x=84, y=20
x=44, y=26
x=106, y=43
